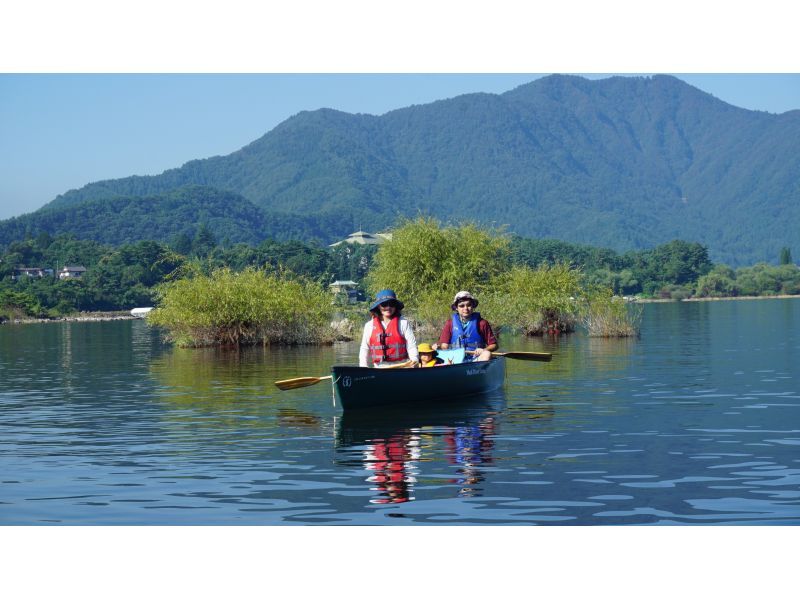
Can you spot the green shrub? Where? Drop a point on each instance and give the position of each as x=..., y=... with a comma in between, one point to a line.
x=610, y=316
x=427, y=264
x=536, y=301
x=719, y=282
x=243, y=308
x=19, y=304
x=675, y=292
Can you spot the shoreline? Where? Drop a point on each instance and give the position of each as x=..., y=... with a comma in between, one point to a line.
x=698, y=299
x=107, y=316
x=88, y=316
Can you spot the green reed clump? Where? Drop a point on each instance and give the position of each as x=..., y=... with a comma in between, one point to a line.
x=547, y=299
x=243, y=308
x=610, y=316
x=426, y=263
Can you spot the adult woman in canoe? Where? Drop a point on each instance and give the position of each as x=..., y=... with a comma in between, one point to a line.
x=388, y=338
x=466, y=328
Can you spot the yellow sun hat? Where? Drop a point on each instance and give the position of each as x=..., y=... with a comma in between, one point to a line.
x=425, y=348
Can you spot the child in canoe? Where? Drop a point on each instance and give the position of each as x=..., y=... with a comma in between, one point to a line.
x=428, y=356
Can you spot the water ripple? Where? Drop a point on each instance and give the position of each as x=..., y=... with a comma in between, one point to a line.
x=105, y=425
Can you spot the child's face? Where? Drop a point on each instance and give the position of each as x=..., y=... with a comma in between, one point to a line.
x=425, y=357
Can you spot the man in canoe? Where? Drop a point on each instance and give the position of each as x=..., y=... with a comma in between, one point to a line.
x=388, y=338
x=466, y=328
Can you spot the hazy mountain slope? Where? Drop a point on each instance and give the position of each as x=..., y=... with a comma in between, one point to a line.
x=163, y=217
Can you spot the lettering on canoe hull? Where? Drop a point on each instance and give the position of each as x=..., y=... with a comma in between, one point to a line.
x=475, y=372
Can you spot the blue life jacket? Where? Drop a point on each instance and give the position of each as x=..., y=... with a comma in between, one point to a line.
x=467, y=336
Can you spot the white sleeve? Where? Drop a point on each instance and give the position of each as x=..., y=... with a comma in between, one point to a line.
x=411, y=340
x=363, y=352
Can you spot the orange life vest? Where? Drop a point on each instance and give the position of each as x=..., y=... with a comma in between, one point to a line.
x=388, y=345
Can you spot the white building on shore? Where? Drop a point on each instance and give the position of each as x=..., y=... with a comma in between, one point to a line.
x=363, y=238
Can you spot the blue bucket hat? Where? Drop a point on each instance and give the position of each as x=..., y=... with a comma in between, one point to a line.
x=384, y=296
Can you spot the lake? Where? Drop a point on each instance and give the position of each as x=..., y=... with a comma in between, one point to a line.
x=696, y=422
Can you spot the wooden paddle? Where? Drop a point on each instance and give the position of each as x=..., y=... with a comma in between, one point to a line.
x=293, y=383
x=523, y=355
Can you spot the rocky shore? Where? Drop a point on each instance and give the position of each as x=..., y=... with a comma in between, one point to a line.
x=84, y=316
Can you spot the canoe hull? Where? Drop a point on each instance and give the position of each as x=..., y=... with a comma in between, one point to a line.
x=359, y=388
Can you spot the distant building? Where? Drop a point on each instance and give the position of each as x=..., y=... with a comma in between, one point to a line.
x=347, y=290
x=31, y=272
x=362, y=238
x=339, y=286
x=71, y=272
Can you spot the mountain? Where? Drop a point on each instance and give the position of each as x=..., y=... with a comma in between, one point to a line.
x=165, y=217
x=623, y=162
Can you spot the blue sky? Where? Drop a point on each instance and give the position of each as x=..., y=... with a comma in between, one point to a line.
x=61, y=131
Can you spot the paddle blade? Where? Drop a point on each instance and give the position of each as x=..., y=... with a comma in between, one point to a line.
x=293, y=383
x=527, y=355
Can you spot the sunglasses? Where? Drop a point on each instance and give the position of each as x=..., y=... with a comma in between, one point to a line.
x=468, y=304
x=387, y=305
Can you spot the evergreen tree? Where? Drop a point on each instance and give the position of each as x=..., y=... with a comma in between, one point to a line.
x=786, y=256
x=204, y=241
x=182, y=243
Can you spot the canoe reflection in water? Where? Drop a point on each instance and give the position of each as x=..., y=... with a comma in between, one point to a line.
x=393, y=464
x=393, y=445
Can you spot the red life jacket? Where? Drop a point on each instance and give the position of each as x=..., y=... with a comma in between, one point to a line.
x=389, y=345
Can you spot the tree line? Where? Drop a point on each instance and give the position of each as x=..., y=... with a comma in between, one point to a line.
x=126, y=276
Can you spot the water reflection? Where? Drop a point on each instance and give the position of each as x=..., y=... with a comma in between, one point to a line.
x=220, y=391
x=297, y=419
x=391, y=444
x=392, y=464
x=470, y=447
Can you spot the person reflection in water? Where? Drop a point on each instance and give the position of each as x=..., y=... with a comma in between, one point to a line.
x=469, y=447
x=392, y=462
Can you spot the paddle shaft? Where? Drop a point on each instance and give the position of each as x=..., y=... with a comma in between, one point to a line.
x=304, y=381
x=523, y=355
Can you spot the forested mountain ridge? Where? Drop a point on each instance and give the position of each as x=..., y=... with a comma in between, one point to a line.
x=623, y=162
x=229, y=217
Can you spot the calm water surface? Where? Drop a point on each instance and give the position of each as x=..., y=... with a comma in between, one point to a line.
x=696, y=422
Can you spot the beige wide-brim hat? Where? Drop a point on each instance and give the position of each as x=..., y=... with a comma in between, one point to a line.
x=461, y=295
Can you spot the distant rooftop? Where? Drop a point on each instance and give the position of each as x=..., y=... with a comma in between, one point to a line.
x=363, y=238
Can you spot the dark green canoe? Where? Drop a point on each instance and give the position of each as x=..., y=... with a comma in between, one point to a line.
x=357, y=387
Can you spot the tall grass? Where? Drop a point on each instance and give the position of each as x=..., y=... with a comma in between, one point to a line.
x=243, y=308
x=537, y=301
x=610, y=316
